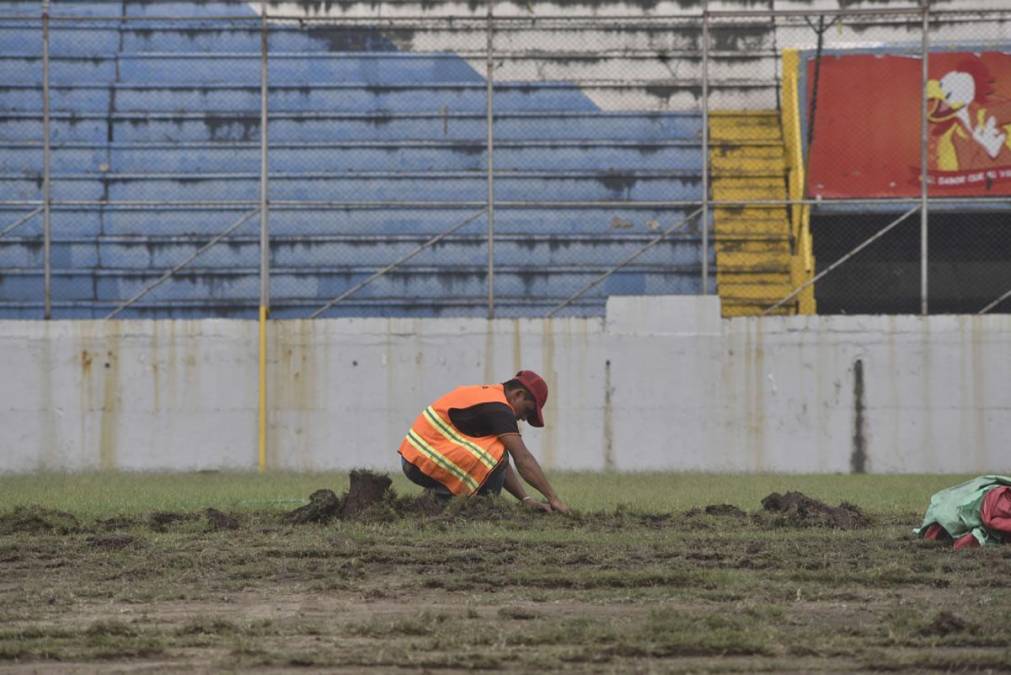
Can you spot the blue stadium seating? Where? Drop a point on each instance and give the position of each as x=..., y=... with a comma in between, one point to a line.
x=372, y=151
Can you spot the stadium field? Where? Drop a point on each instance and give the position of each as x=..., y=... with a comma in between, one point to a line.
x=132, y=572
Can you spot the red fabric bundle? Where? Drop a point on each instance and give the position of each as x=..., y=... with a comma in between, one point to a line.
x=996, y=510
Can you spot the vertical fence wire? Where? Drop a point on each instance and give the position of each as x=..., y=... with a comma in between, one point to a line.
x=264, y=166
x=705, y=147
x=490, y=122
x=924, y=185
x=47, y=222
x=264, y=241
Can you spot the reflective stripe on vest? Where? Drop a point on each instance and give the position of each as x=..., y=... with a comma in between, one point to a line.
x=441, y=451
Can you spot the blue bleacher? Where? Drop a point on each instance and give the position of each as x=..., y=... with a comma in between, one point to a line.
x=372, y=151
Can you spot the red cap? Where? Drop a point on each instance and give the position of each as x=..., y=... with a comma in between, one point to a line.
x=538, y=388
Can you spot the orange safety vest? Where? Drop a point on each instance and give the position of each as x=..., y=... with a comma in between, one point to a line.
x=441, y=451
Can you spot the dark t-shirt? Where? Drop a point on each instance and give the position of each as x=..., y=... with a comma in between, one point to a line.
x=485, y=419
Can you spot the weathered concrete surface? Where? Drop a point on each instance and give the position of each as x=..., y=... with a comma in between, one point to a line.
x=663, y=383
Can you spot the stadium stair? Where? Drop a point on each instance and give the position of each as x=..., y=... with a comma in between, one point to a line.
x=760, y=254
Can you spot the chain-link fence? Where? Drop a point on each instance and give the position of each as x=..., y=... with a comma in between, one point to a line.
x=499, y=160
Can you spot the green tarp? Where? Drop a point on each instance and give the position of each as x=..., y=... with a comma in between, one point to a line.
x=957, y=509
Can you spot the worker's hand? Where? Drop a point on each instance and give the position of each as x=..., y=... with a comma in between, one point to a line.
x=536, y=505
x=558, y=505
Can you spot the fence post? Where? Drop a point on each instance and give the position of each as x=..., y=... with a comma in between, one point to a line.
x=47, y=223
x=705, y=147
x=264, y=240
x=490, y=122
x=924, y=53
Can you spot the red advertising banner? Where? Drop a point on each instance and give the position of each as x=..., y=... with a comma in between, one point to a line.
x=867, y=125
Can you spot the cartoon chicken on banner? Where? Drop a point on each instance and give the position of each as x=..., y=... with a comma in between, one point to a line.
x=970, y=127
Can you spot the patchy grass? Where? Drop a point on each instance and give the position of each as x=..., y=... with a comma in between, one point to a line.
x=147, y=583
x=108, y=494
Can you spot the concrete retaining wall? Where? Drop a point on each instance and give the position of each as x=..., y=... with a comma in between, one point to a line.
x=661, y=383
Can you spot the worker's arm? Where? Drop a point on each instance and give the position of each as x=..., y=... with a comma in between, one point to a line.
x=514, y=486
x=530, y=470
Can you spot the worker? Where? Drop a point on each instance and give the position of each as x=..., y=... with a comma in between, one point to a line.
x=461, y=443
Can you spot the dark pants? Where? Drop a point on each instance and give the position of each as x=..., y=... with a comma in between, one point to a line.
x=492, y=486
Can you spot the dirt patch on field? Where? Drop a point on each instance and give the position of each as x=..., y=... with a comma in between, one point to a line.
x=37, y=520
x=795, y=509
x=371, y=498
x=716, y=510
x=112, y=542
x=161, y=521
x=216, y=520
x=945, y=623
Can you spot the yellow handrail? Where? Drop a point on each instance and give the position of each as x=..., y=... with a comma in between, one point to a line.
x=802, y=256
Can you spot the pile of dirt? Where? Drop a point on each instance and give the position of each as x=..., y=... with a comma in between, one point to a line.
x=323, y=505
x=716, y=510
x=366, y=489
x=795, y=509
x=161, y=521
x=369, y=497
x=38, y=520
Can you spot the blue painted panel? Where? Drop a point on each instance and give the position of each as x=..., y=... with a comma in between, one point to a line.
x=294, y=68
x=389, y=128
x=92, y=40
x=97, y=8
x=21, y=7
x=21, y=287
x=221, y=158
x=380, y=187
x=64, y=128
x=28, y=159
x=473, y=251
x=342, y=97
x=184, y=8
x=244, y=36
x=174, y=221
x=405, y=220
x=184, y=286
x=20, y=252
x=28, y=99
x=65, y=70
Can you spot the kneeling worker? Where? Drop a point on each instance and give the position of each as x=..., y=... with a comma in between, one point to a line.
x=461, y=444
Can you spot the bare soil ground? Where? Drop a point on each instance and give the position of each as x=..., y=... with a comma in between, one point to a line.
x=372, y=581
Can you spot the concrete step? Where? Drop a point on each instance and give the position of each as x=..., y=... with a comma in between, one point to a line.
x=357, y=127
x=308, y=220
x=405, y=97
x=342, y=157
x=762, y=262
x=214, y=283
x=755, y=292
x=323, y=252
x=429, y=186
x=750, y=188
x=730, y=308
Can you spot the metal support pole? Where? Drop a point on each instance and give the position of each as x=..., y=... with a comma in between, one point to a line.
x=705, y=147
x=264, y=241
x=490, y=121
x=925, y=47
x=47, y=222
x=264, y=170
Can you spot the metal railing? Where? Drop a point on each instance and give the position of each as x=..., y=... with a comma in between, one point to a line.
x=513, y=48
